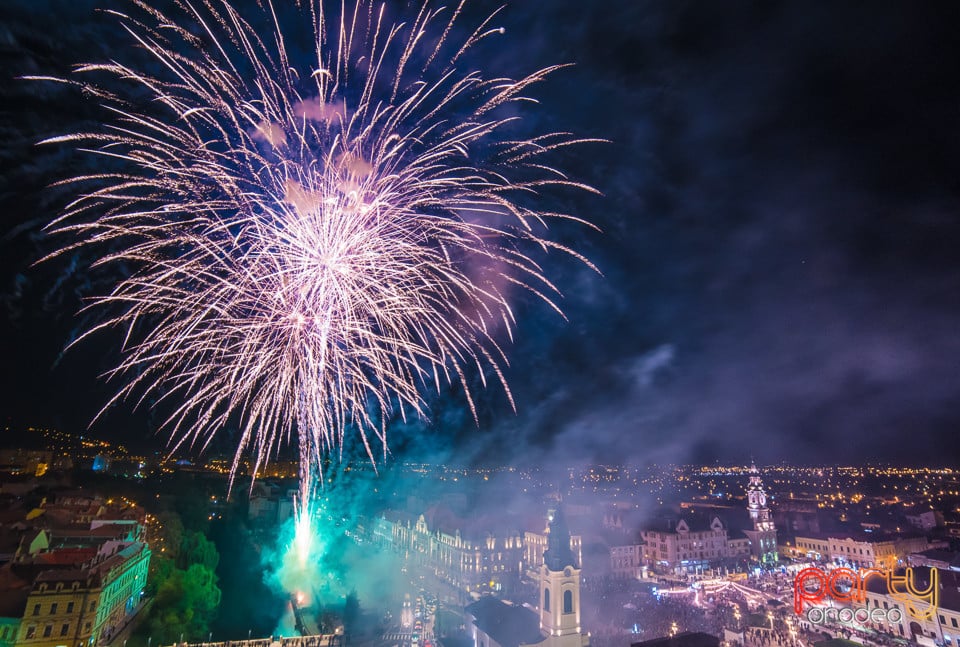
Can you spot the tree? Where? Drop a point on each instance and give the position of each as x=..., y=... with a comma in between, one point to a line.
x=185, y=604
x=161, y=568
x=197, y=549
x=200, y=591
x=185, y=590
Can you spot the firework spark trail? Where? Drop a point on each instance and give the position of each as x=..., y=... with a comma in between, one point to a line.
x=313, y=245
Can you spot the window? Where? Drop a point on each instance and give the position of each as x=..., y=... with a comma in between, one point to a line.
x=31, y=631
x=69, y=607
x=86, y=628
x=568, y=601
x=93, y=605
x=953, y=621
x=47, y=630
x=65, y=629
x=546, y=599
x=36, y=609
x=53, y=608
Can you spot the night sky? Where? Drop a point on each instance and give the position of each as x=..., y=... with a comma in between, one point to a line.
x=779, y=256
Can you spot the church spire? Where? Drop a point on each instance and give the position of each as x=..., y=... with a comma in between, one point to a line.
x=763, y=536
x=558, y=554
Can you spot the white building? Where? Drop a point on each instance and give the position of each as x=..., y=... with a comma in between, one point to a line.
x=627, y=561
x=862, y=550
x=692, y=542
x=556, y=622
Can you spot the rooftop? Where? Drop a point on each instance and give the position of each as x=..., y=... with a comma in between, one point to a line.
x=507, y=624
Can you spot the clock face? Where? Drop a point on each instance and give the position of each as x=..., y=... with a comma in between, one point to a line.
x=763, y=498
x=753, y=498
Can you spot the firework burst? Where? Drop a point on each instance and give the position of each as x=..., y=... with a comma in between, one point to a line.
x=317, y=232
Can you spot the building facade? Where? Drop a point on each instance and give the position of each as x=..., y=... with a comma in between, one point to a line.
x=87, y=605
x=691, y=544
x=475, y=561
x=763, y=533
x=862, y=550
x=626, y=561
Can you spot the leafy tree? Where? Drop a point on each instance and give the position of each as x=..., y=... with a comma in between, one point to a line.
x=197, y=549
x=185, y=590
x=186, y=603
x=161, y=568
x=200, y=591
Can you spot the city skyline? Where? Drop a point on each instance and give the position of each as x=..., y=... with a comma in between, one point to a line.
x=778, y=255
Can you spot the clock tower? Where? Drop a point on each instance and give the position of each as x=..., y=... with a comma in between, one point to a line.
x=763, y=537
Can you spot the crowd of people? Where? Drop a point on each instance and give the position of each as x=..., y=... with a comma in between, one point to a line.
x=621, y=611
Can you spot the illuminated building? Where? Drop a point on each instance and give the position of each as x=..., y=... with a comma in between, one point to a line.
x=627, y=561
x=862, y=549
x=941, y=626
x=479, y=556
x=694, y=542
x=81, y=606
x=556, y=621
x=763, y=534
x=560, y=589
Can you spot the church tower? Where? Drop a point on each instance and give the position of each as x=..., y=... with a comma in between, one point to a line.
x=763, y=537
x=560, y=589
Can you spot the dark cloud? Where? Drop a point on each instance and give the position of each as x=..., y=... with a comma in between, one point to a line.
x=778, y=257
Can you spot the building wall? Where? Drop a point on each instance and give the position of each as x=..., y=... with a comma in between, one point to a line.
x=470, y=564
x=626, y=561
x=675, y=548
x=9, y=630
x=59, y=613
x=121, y=591
x=879, y=554
x=813, y=546
x=88, y=609
x=943, y=624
